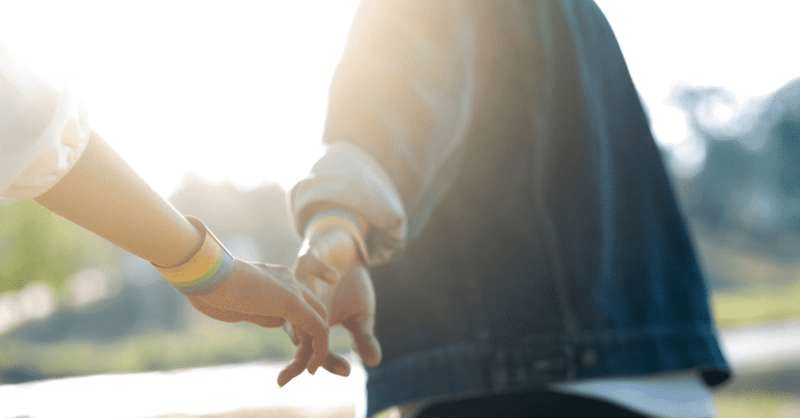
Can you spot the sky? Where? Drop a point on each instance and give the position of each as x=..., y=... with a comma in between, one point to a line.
x=230, y=91
x=235, y=91
x=745, y=47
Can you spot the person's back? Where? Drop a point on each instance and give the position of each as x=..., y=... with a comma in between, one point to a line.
x=545, y=244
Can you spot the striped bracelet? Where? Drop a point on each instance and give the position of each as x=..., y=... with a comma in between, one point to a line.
x=204, y=270
x=342, y=219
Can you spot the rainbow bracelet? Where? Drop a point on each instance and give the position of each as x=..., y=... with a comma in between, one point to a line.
x=346, y=220
x=204, y=270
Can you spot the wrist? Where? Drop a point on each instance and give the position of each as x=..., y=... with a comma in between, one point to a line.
x=333, y=225
x=204, y=269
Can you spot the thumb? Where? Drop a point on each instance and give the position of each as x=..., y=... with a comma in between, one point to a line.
x=337, y=365
x=363, y=332
x=309, y=266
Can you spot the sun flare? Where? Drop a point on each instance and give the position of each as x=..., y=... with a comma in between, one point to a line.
x=227, y=91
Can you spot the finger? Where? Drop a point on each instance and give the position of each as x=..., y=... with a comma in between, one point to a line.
x=312, y=300
x=306, y=320
x=263, y=290
x=279, y=294
x=233, y=316
x=337, y=365
x=291, y=331
x=291, y=304
x=264, y=321
x=367, y=345
x=214, y=312
x=308, y=265
x=296, y=367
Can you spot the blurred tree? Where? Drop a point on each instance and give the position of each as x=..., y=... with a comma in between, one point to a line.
x=751, y=178
x=260, y=213
x=749, y=187
x=38, y=246
x=788, y=133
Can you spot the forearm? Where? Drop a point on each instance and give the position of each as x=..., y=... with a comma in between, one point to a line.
x=104, y=195
x=400, y=106
x=404, y=89
x=349, y=180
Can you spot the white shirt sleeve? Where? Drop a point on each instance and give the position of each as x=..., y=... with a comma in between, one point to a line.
x=352, y=180
x=43, y=130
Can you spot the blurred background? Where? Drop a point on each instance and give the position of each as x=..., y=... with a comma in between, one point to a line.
x=219, y=106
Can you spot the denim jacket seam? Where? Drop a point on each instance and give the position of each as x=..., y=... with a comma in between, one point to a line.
x=583, y=337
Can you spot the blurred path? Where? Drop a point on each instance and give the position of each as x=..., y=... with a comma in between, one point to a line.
x=207, y=390
x=220, y=389
x=762, y=345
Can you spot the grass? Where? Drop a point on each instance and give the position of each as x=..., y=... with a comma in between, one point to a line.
x=762, y=290
x=761, y=405
x=728, y=406
x=736, y=309
x=208, y=343
x=156, y=351
x=771, y=392
x=756, y=288
x=767, y=391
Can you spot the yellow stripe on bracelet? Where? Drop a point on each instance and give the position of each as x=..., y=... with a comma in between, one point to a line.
x=201, y=269
x=342, y=219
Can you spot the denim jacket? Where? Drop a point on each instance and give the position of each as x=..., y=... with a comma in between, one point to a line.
x=523, y=230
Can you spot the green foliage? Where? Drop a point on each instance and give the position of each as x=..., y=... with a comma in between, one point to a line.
x=147, y=352
x=750, y=307
x=764, y=391
x=755, y=287
x=207, y=343
x=38, y=246
x=153, y=351
x=762, y=405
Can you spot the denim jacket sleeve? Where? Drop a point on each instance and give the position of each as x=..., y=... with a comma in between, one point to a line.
x=399, y=107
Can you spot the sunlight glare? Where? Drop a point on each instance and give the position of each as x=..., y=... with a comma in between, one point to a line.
x=229, y=91
x=236, y=91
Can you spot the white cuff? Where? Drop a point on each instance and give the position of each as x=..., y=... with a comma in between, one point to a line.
x=348, y=178
x=53, y=153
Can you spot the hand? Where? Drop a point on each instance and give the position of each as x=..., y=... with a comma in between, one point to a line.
x=270, y=296
x=332, y=268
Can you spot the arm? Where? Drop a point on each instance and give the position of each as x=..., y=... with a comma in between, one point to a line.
x=49, y=153
x=399, y=109
x=104, y=195
x=400, y=105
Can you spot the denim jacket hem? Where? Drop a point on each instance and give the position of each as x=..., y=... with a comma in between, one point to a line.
x=483, y=367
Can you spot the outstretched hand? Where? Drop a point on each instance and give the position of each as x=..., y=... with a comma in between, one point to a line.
x=332, y=268
x=269, y=296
